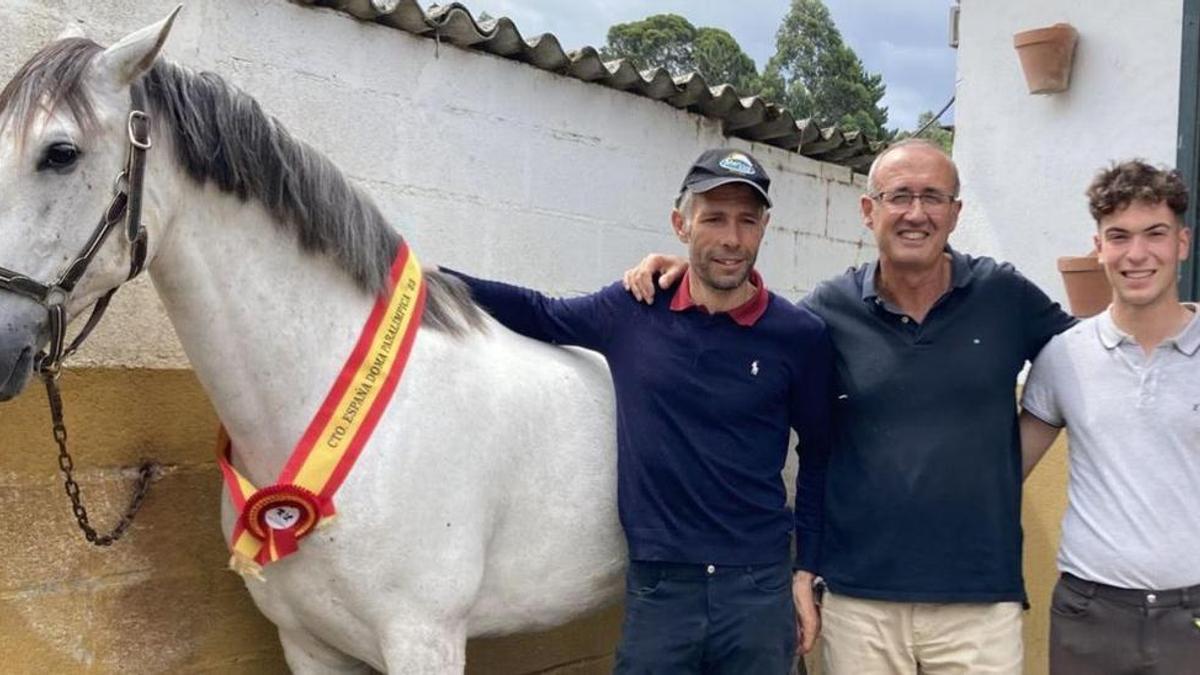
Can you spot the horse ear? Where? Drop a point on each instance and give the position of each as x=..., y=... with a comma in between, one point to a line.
x=133, y=55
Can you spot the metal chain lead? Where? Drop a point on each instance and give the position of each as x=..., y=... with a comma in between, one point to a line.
x=145, y=474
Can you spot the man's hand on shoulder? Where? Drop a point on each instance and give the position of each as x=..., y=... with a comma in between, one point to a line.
x=639, y=280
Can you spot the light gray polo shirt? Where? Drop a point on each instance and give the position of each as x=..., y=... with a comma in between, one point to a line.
x=1133, y=428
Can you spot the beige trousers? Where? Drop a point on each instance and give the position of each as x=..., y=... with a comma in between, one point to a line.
x=874, y=637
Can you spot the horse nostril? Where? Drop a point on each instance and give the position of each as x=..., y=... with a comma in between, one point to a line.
x=12, y=381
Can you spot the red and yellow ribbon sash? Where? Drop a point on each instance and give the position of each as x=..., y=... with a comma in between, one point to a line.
x=271, y=520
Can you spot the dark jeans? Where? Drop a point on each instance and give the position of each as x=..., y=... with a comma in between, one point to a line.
x=1101, y=629
x=705, y=619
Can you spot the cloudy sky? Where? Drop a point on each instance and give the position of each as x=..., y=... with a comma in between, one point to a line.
x=905, y=41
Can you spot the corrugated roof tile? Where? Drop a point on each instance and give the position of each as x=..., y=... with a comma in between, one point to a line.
x=750, y=117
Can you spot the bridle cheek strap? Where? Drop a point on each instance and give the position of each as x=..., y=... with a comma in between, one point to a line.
x=125, y=207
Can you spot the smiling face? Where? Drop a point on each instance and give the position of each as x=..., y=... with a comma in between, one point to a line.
x=1141, y=246
x=912, y=233
x=722, y=229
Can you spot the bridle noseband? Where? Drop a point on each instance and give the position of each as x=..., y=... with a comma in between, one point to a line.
x=126, y=206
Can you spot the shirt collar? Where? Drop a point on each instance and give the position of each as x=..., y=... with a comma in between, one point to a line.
x=1186, y=341
x=960, y=274
x=1110, y=335
x=745, y=314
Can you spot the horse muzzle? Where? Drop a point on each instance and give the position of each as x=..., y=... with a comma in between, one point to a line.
x=22, y=330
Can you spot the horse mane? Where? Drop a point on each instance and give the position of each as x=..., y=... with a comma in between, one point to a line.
x=51, y=78
x=222, y=136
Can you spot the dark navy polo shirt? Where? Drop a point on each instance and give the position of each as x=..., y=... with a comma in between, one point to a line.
x=704, y=407
x=923, y=499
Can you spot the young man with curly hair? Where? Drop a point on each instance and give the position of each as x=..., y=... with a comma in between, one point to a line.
x=1126, y=385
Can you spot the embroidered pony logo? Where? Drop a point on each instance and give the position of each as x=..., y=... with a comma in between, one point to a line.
x=754, y=367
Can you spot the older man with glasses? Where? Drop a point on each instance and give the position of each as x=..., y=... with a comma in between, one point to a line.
x=921, y=550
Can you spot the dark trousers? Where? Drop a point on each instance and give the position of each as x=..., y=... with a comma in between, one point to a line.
x=1113, y=631
x=707, y=619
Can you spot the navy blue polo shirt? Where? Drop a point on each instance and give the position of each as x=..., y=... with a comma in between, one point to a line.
x=704, y=407
x=923, y=500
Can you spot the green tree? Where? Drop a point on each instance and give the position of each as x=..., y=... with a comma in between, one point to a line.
x=671, y=42
x=934, y=132
x=815, y=74
x=720, y=59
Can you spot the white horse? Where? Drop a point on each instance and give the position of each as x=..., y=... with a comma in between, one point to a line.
x=485, y=501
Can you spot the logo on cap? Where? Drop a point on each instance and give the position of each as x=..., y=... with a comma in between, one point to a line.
x=738, y=163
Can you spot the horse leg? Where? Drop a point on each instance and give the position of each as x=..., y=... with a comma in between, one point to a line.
x=423, y=648
x=306, y=655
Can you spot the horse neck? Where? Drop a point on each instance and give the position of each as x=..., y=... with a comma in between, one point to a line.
x=265, y=326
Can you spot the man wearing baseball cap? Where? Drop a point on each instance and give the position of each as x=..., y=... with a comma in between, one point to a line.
x=708, y=382
x=714, y=168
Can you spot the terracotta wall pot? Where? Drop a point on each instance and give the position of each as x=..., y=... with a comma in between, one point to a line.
x=1046, y=55
x=1088, y=292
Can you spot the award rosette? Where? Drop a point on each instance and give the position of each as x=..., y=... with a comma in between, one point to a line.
x=272, y=520
x=281, y=515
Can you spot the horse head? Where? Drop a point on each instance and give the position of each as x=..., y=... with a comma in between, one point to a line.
x=66, y=132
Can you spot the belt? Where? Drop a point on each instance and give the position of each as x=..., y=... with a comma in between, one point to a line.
x=1149, y=599
x=694, y=571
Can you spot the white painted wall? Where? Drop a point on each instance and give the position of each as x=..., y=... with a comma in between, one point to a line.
x=1026, y=160
x=487, y=165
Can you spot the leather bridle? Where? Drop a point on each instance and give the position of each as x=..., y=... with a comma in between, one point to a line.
x=126, y=207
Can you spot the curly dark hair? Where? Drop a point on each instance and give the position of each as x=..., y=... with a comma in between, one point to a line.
x=1123, y=183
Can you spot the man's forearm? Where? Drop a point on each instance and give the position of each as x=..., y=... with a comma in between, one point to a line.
x=1036, y=438
x=583, y=321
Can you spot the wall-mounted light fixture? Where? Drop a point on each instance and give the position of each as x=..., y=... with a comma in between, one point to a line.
x=955, y=13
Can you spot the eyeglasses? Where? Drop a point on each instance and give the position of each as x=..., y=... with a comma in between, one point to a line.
x=902, y=200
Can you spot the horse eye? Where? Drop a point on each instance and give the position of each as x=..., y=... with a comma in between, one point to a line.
x=58, y=157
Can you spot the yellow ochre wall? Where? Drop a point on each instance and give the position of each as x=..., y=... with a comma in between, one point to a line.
x=1041, y=515
x=161, y=600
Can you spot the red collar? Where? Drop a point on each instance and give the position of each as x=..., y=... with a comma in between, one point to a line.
x=745, y=314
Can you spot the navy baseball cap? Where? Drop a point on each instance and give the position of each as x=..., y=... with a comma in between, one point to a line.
x=722, y=166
